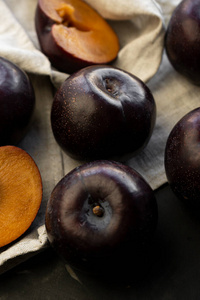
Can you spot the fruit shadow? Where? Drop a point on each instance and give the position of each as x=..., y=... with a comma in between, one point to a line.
x=139, y=271
x=153, y=266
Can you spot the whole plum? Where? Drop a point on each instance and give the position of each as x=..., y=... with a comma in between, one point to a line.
x=17, y=102
x=101, y=216
x=182, y=159
x=102, y=112
x=182, y=41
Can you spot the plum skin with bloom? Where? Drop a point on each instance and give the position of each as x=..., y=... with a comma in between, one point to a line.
x=102, y=112
x=17, y=103
x=182, y=159
x=89, y=241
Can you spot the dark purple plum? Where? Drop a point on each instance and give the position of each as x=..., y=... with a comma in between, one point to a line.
x=102, y=112
x=17, y=103
x=101, y=214
x=182, y=41
x=182, y=159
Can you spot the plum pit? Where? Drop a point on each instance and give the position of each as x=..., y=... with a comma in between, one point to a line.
x=66, y=12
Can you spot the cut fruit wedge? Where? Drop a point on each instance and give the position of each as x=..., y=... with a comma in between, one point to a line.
x=20, y=193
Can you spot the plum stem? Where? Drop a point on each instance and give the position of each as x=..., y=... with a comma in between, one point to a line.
x=98, y=210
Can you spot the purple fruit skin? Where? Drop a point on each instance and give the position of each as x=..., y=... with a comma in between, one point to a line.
x=102, y=112
x=17, y=103
x=89, y=242
x=182, y=159
x=182, y=40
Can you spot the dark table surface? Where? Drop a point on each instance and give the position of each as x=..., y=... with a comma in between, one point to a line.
x=174, y=271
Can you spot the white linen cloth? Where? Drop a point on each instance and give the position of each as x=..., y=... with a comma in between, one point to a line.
x=140, y=26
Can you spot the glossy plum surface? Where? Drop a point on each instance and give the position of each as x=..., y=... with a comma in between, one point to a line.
x=102, y=112
x=17, y=102
x=127, y=220
x=182, y=158
x=182, y=40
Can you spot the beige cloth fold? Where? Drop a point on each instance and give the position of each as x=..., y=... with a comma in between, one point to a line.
x=140, y=26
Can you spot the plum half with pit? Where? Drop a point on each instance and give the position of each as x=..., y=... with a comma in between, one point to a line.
x=102, y=112
x=17, y=103
x=182, y=41
x=100, y=216
x=182, y=159
x=73, y=35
